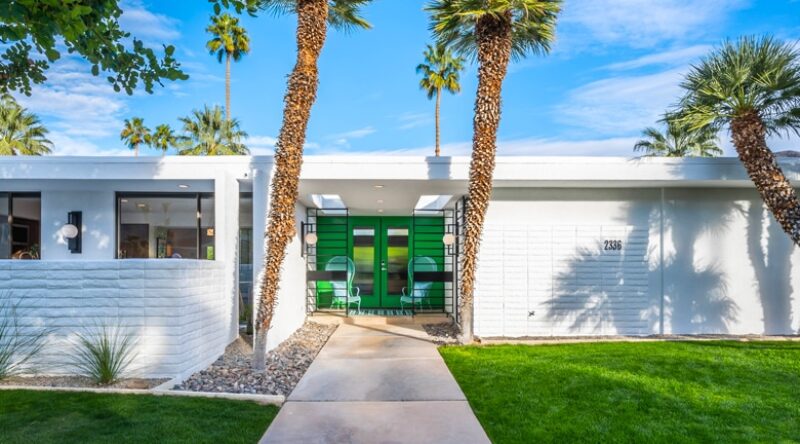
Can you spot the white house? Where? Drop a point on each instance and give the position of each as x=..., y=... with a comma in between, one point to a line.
x=572, y=246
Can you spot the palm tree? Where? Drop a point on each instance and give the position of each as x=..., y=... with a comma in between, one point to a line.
x=21, y=132
x=163, y=138
x=313, y=17
x=134, y=133
x=494, y=31
x=230, y=41
x=440, y=71
x=753, y=87
x=206, y=133
x=677, y=141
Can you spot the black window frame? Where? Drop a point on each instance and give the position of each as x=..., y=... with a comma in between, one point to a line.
x=10, y=196
x=119, y=195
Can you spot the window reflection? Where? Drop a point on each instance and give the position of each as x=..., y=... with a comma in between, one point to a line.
x=20, y=225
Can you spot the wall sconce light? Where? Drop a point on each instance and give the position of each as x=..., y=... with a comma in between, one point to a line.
x=311, y=238
x=448, y=239
x=72, y=231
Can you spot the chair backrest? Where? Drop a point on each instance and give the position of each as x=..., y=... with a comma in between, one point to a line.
x=341, y=263
x=421, y=288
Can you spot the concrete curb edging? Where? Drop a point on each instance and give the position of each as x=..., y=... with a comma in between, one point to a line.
x=260, y=399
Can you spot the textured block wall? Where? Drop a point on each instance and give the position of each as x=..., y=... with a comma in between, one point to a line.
x=177, y=309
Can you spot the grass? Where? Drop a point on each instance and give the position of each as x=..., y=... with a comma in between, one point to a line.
x=704, y=392
x=61, y=417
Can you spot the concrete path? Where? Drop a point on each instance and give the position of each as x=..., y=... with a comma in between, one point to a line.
x=377, y=384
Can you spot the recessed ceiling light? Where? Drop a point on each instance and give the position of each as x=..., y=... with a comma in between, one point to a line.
x=380, y=210
x=380, y=201
x=124, y=200
x=141, y=205
x=377, y=187
x=183, y=186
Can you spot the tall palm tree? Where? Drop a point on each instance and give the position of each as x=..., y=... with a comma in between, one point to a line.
x=752, y=86
x=313, y=18
x=495, y=31
x=207, y=133
x=134, y=133
x=440, y=71
x=678, y=141
x=229, y=41
x=21, y=132
x=163, y=138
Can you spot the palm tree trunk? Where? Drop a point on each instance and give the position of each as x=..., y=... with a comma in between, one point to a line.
x=438, y=105
x=493, y=37
x=300, y=96
x=749, y=138
x=228, y=86
x=136, y=150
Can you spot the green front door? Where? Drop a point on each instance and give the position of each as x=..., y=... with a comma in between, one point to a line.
x=380, y=249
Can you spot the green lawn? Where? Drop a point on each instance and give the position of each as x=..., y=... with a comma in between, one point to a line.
x=721, y=391
x=61, y=417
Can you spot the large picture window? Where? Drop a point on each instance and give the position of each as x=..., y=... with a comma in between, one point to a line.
x=165, y=226
x=20, y=225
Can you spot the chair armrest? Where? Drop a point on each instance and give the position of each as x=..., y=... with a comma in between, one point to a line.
x=403, y=290
x=358, y=291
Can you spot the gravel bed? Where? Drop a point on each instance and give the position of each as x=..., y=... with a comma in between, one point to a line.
x=80, y=381
x=286, y=364
x=442, y=334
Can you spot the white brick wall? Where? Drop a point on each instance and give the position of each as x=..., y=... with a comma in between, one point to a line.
x=176, y=308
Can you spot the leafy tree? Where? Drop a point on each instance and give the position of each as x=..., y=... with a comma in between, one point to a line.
x=494, y=31
x=207, y=133
x=163, y=138
x=678, y=141
x=21, y=132
x=229, y=41
x=440, y=71
x=33, y=32
x=752, y=86
x=134, y=133
x=313, y=18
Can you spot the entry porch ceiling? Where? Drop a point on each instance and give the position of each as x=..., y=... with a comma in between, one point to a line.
x=397, y=197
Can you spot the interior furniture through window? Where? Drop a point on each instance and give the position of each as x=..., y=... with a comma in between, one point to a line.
x=165, y=226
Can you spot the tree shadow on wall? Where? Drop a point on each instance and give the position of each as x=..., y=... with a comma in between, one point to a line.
x=770, y=253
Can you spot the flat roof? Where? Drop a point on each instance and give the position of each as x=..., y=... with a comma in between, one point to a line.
x=510, y=171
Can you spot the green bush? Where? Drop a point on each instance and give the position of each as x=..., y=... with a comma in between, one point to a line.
x=19, y=344
x=104, y=353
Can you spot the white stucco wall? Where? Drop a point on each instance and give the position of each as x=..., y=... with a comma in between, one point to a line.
x=726, y=268
x=174, y=308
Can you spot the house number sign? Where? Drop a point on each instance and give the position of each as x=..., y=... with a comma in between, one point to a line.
x=612, y=245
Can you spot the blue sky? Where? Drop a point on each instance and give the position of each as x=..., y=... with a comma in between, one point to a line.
x=613, y=71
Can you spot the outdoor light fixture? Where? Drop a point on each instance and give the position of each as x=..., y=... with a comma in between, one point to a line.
x=183, y=186
x=72, y=231
x=377, y=187
x=69, y=231
x=311, y=238
x=448, y=239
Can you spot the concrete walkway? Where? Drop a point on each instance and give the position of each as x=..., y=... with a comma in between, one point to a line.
x=377, y=384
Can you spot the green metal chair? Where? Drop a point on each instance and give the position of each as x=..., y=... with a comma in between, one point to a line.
x=420, y=290
x=343, y=290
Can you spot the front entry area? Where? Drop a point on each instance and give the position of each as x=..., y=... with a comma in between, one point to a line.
x=380, y=257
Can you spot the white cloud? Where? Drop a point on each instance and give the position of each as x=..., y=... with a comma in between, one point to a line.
x=76, y=103
x=145, y=25
x=414, y=120
x=354, y=134
x=621, y=105
x=644, y=23
x=64, y=145
x=673, y=57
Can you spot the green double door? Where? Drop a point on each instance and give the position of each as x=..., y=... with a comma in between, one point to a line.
x=380, y=248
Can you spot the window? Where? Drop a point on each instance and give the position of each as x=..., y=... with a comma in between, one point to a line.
x=165, y=226
x=20, y=222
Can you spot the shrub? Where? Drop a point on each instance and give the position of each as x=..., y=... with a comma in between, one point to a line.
x=19, y=344
x=104, y=353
